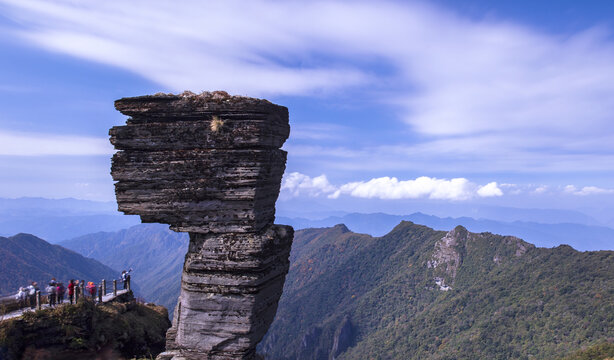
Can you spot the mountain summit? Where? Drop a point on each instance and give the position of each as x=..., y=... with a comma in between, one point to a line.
x=417, y=293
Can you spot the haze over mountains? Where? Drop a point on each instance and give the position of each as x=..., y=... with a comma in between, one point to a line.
x=543, y=213
x=60, y=219
x=64, y=219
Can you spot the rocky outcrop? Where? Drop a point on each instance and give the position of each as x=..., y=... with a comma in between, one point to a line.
x=121, y=329
x=210, y=165
x=344, y=338
x=448, y=251
x=311, y=339
x=448, y=257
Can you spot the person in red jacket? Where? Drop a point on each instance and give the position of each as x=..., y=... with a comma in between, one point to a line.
x=71, y=290
x=91, y=288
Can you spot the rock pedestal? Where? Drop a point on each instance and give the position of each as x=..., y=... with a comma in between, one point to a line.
x=211, y=165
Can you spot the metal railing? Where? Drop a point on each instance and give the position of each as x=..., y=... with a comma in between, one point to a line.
x=11, y=303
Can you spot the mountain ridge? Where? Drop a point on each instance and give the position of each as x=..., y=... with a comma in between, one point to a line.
x=580, y=236
x=26, y=258
x=417, y=293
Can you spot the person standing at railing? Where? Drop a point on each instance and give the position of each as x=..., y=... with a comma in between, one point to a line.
x=51, y=292
x=59, y=292
x=91, y=288
x=126, y=278
x=71, y=290
x=22, y=297
x=32, y=289
x=78, y=292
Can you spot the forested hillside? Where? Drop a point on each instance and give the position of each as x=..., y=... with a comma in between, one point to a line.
x=25, y=258
x=417, y=293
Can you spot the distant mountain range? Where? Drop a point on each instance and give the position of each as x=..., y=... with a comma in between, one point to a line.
x=157, y=254
x=61, y=219
x=430, y=294
x=311, y=208
x=154, y=252
x=579, y=236
x=57, y=220
x=25, y=258
x=417, y=293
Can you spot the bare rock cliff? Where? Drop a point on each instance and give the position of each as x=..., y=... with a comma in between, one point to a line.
x=211, y=165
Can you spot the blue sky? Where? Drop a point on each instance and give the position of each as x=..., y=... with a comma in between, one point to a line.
x=505, y=103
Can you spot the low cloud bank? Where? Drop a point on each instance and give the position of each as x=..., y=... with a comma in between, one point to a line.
x=389, y=188
x=587, y=190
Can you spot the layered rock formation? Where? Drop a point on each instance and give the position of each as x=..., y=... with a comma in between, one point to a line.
x=210, y=165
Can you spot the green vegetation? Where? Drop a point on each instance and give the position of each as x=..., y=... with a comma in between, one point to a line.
x=601, y=351
x=508, y=300
x=118, y=329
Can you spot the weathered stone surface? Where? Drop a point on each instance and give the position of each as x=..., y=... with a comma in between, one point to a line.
x=201, y=163
x=210, y=165
x=230, y=288
x=235, y=132
x=188, y=105
x=200, y=190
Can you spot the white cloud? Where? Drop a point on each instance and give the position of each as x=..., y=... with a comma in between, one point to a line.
x=490, y=190
x=391, y=188
x=33, y=144
x=587, y=190
x=388, y=188
x=422, y=187
x=571, y=189
x=296, y=184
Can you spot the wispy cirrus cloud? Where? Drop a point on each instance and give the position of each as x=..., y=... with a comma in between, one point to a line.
x=35, y=144
x=320, y=131
x=451, y=157
x=485, y=93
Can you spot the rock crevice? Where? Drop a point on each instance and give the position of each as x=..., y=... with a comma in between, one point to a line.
x=211, y=165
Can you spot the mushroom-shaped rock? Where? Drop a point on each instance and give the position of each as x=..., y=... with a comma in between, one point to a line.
x=210, y=164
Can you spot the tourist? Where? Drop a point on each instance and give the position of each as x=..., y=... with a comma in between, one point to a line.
x=78, y=293
x=32, y=289
x=71, y=291
x=59, y=293
x=91, y=288
x=51, y=292
x=22, y=297
x=126, y=278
